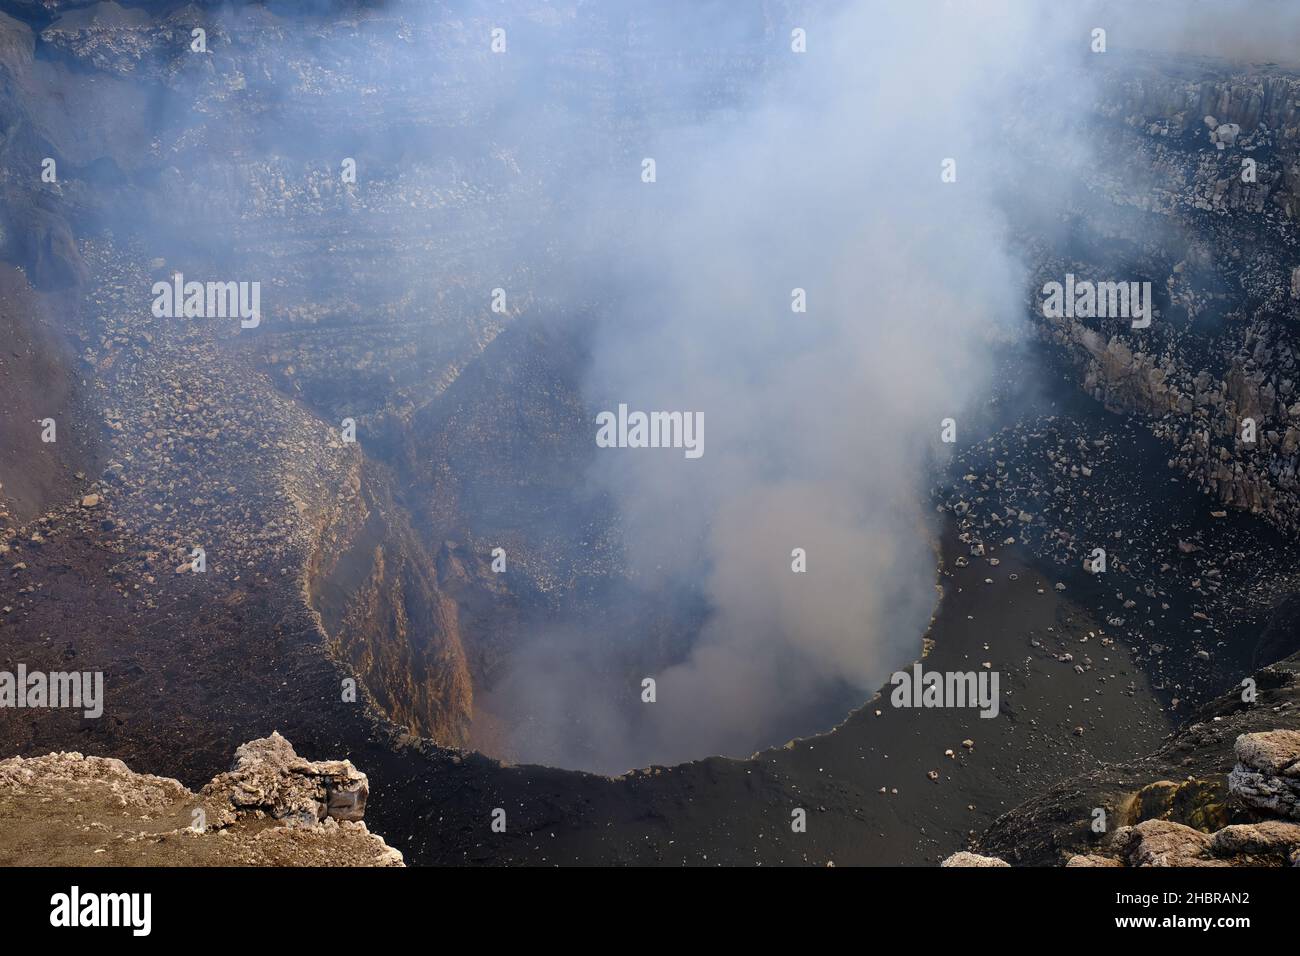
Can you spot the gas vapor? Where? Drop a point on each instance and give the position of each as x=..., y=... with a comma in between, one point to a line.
x=823, y=426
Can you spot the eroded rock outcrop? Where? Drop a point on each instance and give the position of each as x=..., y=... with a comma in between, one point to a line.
x=1165, y=843
x=1267, y=775
x=269, y=777
x=1207, y=160
x=273, y=809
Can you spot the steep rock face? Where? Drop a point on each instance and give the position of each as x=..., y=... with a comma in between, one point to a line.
x=45, y=246
x=1179, y=96
x=38, y=381
x=273, y=809
x=1201, y=118
x=1211, y=221
x=34, y=231
x=124, y=40
x=385, y=617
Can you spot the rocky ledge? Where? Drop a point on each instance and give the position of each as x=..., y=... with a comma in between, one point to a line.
x=273, y=808
x=1265, y=781
x=1263, y=791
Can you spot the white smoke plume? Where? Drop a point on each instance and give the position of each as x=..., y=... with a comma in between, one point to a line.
x=820, y=426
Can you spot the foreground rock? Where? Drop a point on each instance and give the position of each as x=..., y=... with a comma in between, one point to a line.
x=273, y=809
x=270, y=778
x=1267, y=775
x=1262, y=784
x=1221, y=792
x=963, y=858
x=1164, y=843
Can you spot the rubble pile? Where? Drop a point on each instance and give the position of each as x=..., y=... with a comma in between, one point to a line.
x=273, y=809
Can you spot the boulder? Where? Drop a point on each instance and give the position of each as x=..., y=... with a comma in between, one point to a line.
x=1163, y=843
x=271, y=778
x=1272, y=840
x=1226, y=134
x=1267, y=775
